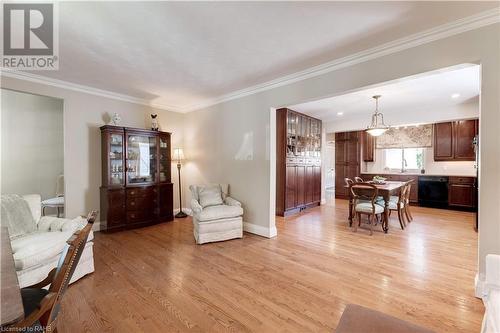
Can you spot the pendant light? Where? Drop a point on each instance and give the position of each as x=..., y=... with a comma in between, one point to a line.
x=377, y=127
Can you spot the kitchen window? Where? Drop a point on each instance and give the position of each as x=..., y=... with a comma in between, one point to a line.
x=404, y=159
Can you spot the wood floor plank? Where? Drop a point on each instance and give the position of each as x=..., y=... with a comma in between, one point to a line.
x=157, y=279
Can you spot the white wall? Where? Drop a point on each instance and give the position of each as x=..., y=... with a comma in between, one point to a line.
x=217, y=132
x=83, y=115
x=32, y=143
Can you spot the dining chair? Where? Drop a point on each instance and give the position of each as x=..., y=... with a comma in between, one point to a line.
x=407, y=211
x=42, y=306
x=398, y=203
x=349, y=182
x=358, y=179
x=365, y=196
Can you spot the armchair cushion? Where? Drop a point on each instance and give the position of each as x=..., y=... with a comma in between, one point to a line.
x=218, y=212
x=38, y=247
x=210, y=195
x=16, y=215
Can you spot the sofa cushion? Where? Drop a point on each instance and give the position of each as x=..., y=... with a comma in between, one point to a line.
x=218, y=212
x=16, y=215
x=210, y=195
x=38, y=247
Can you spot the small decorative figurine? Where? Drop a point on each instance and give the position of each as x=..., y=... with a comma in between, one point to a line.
x=115, y=120
x=154, y=122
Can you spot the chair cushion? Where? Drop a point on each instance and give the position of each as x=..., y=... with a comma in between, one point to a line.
x=366, y=207
x=38, y=247
x=393, y=205
x=16, y=215
x=218, y=212
x=57, y=201
x=32, y=297
x=210, y=195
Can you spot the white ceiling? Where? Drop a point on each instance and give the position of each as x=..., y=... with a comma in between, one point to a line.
x=424, y=93
x=182, y=53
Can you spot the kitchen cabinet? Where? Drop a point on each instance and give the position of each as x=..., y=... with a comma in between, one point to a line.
x=298, y=161
x=453, y=140
x=347, y=160
x=368, y=147
x=462, y=192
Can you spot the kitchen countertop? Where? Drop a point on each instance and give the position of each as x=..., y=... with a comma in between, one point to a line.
x=414, y=174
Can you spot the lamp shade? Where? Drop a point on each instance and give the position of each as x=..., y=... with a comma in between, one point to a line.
x=178, y=154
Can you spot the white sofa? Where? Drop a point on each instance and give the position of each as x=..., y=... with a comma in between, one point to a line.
x=491, y=299
x=37, y=241
x=216, y=216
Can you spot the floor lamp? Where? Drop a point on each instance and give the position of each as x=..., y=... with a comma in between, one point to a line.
x=179, y=156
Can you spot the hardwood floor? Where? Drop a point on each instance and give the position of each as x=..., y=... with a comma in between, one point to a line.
x=156, y=279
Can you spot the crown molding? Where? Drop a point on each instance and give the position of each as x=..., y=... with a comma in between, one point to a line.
x=443, y=31
x=446, y=30
x=35, y=78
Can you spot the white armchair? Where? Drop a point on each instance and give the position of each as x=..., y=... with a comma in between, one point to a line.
x=38, y=241
x=216, y=216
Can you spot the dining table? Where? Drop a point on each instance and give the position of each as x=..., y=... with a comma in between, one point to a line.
x=12, y=304
x=385, y=189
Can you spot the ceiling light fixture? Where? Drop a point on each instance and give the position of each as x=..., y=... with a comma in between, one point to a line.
x=455, y=95
x=340, y=113
x=377, y=127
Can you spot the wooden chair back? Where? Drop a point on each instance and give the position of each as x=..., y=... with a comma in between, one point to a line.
x=402, y=194
x=358, y=179
x=364, y=191
x=348, y=181
x=66, y=267
x=407, y=191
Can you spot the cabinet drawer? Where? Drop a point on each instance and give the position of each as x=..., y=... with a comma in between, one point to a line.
x=461, y=195
x=462, y=180
x=140, y=203
x=138, y=216
x=141, y=191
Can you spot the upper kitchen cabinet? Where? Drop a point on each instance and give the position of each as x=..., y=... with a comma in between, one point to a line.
x=367, y=147
x=453, y=140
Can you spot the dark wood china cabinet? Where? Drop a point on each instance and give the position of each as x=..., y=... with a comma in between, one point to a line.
x=298, y=162
x=136, y=182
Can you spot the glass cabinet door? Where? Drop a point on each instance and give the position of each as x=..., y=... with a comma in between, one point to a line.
x=141, y=159
x=164, y=159
x=116, y=159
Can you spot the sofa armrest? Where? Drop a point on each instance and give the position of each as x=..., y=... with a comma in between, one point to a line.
x=50, y=223
x=195, y=206
x=232, y=202
x=493, y=270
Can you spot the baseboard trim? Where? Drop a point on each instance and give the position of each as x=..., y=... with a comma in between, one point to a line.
x=260, y=230
x=479, y=283
x=185, y=210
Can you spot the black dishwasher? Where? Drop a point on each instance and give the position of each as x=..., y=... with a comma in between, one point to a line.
x=433, y=191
